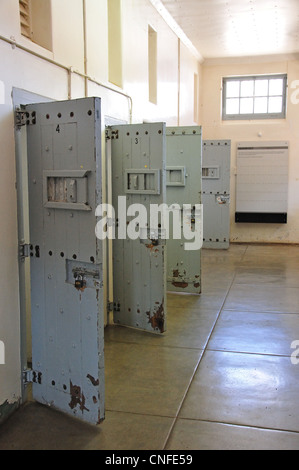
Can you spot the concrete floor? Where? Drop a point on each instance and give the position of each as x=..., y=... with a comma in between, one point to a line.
x=220, y=378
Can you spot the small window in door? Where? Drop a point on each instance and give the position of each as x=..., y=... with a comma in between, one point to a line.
x=36, y=21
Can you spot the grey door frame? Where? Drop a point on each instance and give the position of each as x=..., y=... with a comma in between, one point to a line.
x=22, y=97
x=109, y=121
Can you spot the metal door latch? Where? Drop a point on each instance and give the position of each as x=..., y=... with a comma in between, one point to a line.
x=80, y=282
x=223, y=199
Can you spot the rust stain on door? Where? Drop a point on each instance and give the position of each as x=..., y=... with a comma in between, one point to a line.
x=77, y=398
x=95, y=382
x=157, y=320
x=181, y=285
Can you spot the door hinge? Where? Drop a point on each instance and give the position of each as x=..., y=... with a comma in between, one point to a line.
x=23, y=118
x=111, y=134
x=20, y=118
x=27, y=376
x=31, y=376
x=110, y=306
x=24, y=250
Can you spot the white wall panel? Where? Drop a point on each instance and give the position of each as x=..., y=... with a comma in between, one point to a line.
x=262, y=177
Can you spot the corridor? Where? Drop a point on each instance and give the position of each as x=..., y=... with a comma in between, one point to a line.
x=220, y=378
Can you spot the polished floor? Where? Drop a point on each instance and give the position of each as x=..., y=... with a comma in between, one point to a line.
x=222, y=377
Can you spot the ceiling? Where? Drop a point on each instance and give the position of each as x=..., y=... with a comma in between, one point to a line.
x=238, y=28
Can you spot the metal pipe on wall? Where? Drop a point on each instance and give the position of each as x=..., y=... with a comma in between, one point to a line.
x=85, y=46
x=70, y=71
x=179, y=80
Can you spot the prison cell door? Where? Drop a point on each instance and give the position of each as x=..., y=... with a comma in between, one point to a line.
x=183, y=186
x=64, y=181
x=138, y=177
x=216, y=193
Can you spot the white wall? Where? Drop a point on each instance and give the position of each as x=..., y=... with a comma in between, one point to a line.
x=22, y=70
x=282, y=129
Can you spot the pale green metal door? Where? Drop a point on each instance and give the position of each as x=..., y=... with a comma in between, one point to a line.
x=183, y=186
x=138, y=155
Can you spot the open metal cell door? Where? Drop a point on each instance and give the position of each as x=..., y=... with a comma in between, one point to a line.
x=216, y=193
x=138, y=154
x=64, y=184
x=183, y=180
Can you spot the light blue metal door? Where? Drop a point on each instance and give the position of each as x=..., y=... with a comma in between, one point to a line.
x=216, y=193
x=64, y=180
x=138, y=154
x=183, y=180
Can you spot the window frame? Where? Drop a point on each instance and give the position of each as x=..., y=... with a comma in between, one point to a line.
x=254, y=116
